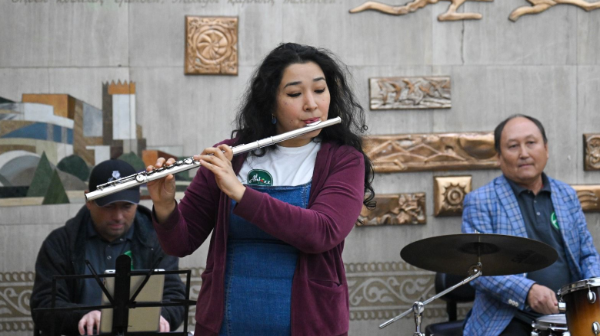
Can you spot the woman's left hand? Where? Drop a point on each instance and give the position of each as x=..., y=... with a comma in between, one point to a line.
x=218, y=161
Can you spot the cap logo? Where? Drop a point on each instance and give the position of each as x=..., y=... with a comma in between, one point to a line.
x=115, y=176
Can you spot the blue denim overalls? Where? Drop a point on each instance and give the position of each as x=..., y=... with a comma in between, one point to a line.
x=259, y=272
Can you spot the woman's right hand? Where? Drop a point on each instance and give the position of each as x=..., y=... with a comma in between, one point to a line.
x=162, y=191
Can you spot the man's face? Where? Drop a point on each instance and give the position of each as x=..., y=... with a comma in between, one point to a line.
x=113, y=220
x=523, y=153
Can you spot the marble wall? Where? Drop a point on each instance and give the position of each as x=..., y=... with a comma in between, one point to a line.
x=544, y=65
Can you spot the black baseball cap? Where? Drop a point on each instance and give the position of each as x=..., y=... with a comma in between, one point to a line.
x=111, y=170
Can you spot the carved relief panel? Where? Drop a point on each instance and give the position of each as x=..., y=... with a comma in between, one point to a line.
x=211, y=45
x=589, y=197
x=450, y=15
x=449, y=193
x=591, y=155
x=406, y=93
x=426, y=152
x=395, y=209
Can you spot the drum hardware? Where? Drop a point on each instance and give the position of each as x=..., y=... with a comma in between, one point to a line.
x=550, y=325
x=579, y=301
x=453, y=254
x=419, y=307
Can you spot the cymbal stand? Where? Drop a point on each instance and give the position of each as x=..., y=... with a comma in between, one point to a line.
x=419, y=307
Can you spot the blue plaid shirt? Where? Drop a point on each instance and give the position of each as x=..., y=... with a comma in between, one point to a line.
x=493, y=208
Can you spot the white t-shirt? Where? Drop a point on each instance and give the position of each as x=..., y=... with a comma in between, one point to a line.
x=283, y=166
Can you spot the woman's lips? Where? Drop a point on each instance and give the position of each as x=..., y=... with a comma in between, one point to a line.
x=310, y=121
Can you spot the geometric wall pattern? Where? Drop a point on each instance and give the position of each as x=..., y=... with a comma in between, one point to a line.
x=378, y=291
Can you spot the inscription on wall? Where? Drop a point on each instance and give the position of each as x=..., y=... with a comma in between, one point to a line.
x=406, y=93
x=426, y=152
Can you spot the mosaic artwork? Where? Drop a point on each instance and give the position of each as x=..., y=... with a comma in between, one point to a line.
x=50, y=142
x=591, y=155
x=589, y=197
x=377, y=291
x=211, y=45
x=449, y=194
x=396, y=209
x=427, y=152
x=538, y=6
x=407, y=93
x=450, y=15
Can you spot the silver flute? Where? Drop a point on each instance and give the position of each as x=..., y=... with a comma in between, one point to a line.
x=189, y=163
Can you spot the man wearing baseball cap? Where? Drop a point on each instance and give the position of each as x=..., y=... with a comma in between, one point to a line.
x=100, y=232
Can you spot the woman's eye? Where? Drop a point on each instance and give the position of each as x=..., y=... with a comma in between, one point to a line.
x=294, y=94
x=320, y=91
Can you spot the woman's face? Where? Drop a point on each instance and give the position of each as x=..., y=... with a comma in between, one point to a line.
x=302, y=98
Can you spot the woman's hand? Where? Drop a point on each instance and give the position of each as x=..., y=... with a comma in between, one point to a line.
x=218, y=161
x=162, y=191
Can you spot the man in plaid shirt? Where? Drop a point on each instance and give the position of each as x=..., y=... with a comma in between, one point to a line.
x=525, y=202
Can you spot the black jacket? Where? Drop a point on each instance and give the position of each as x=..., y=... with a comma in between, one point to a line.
x=63, y=253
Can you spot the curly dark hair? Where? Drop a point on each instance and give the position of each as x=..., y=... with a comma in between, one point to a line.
x=253, y=121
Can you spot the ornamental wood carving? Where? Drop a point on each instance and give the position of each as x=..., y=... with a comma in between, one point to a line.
x=407, y=93
x=450, y=15
x=538, y=6
x=211, y=45
x=396, y=209
x=589, y=197
x=449, y=194
x=427, y=152
x=591, y=144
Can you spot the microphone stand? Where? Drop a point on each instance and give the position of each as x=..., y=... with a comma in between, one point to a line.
x=419, y=307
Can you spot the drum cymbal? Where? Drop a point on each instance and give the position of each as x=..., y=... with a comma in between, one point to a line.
x=498, y=254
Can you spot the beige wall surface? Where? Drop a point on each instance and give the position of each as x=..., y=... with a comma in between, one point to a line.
x=545, y=65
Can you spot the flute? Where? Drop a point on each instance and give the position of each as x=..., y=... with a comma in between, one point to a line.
x=189, y=163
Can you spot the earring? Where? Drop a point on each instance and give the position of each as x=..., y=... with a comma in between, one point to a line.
x=273, y=119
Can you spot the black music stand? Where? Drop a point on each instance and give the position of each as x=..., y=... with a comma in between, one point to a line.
x=119, y=302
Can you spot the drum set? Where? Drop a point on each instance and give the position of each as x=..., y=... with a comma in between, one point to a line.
x=493, y=254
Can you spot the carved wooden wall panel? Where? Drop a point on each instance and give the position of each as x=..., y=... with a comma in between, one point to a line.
x=450, y=15
x=589, y=197
x=396, y=209
x=449, y=194
x=211, y=45
x=407, y=93
x=426, y=152
x=591, y=145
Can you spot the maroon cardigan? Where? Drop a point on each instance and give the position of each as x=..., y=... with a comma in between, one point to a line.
x=319, y=288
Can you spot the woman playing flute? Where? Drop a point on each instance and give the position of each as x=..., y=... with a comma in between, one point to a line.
x=278, y=215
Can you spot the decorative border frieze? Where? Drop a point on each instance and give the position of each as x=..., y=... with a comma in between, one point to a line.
x=430, y=152
x=15, y=292
x=395, y=209
x=449, y=194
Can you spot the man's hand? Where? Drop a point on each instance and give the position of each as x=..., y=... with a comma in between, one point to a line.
x=88, y=322
x=542, y=300
x=164, y=325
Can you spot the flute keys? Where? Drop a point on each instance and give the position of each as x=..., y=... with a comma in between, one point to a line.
x=141, y=178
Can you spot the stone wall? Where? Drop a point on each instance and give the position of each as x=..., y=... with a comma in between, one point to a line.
x=545, y=65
